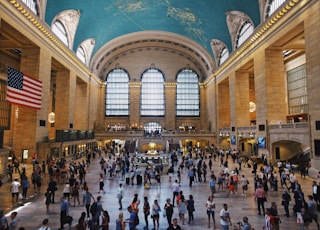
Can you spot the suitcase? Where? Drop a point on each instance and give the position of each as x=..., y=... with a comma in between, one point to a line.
x=139, y=179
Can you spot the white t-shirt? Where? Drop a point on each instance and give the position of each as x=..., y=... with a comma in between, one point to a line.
x=15, y=186
x=44, y=228
x=225, y=214
x=210, y=205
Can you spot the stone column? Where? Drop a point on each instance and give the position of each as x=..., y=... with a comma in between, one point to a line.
x=170, y=97
x=223, y=104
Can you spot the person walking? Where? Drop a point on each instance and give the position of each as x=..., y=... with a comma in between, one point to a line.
x=312, y=206
x=146, y=211
x=24, y=185
x=105, y=221
x=286, y=198
x=75, y=193
x=168, y=209
x=48, y=200
x=15, y=186
x=64, y=210
x=132, y=218
x=212, y=184
x=276, y=218
x=244, y=185
x=101, y=183
x=210, y=205
x=175, y=191
x=88, y=197
x=52, y=187
x=120, y=194
x=155, y=214
x=190, y=208
x=260, y=197
x=182, y=207
x=225, y=219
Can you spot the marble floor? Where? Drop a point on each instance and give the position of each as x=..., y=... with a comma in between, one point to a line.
x=32, y=211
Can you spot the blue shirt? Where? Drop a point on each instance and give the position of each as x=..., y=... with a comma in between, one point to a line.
x=64, y=206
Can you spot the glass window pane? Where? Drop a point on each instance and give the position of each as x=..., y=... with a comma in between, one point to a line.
x=152, y=93
x=188, y=94
x=60, y=31
x=117, y=93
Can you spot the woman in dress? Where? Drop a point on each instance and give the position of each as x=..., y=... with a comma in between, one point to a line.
x=155, y=214
x=182, y=207
x=210, y=205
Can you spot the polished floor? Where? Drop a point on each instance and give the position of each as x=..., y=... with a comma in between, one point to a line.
x=33, y=210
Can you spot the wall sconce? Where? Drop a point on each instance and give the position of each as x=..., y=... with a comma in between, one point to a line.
x=251, y=134
x=220, y=134
x=240, y=134
x=227, y=134
x=51, y=117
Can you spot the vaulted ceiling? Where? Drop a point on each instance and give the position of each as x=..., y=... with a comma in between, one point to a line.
x=199, y=20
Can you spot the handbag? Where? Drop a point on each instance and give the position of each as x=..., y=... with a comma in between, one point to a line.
x=299, y=218
x=20, y=196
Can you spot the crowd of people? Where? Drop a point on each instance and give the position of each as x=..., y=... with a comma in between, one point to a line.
x=71, y=178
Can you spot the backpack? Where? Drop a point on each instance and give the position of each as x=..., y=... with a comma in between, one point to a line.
x=93, y=208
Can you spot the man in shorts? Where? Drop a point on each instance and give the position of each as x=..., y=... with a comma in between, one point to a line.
x=15, y=186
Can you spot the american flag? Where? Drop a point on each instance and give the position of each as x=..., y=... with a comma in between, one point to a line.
x=23, y=90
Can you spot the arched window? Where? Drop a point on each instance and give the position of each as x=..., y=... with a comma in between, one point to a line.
x=152, y=93
x=223, y=55
x=81, y=54
x=245, y=32
x=273, y=6
x=32, y=5
x=60, y=31
x=117, y=93
x=188, y=94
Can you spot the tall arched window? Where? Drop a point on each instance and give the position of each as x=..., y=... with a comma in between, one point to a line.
x=273, y=6
x=32, y=5
x=188, y=94
x=81, y=54
x=223, y=55
x=245, y=32
x=59, y=29
x=152, y=93
x=117, y=93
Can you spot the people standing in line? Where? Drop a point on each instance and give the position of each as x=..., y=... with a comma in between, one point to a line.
x=120, y=224
x=190, y=208
x=146, y=211
x=210, y=205
x=286, y=198
x=45, y=225
x=174, y=225
x=120, y=194
x=135, y=203
x=313, y=209
x=155, y=214
x=64, y=210
x=52, y=187
x=175, y=191
x=182, y=207
x=260, y=197
x=225, y=219
x=168, y=209
x=15, y=187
